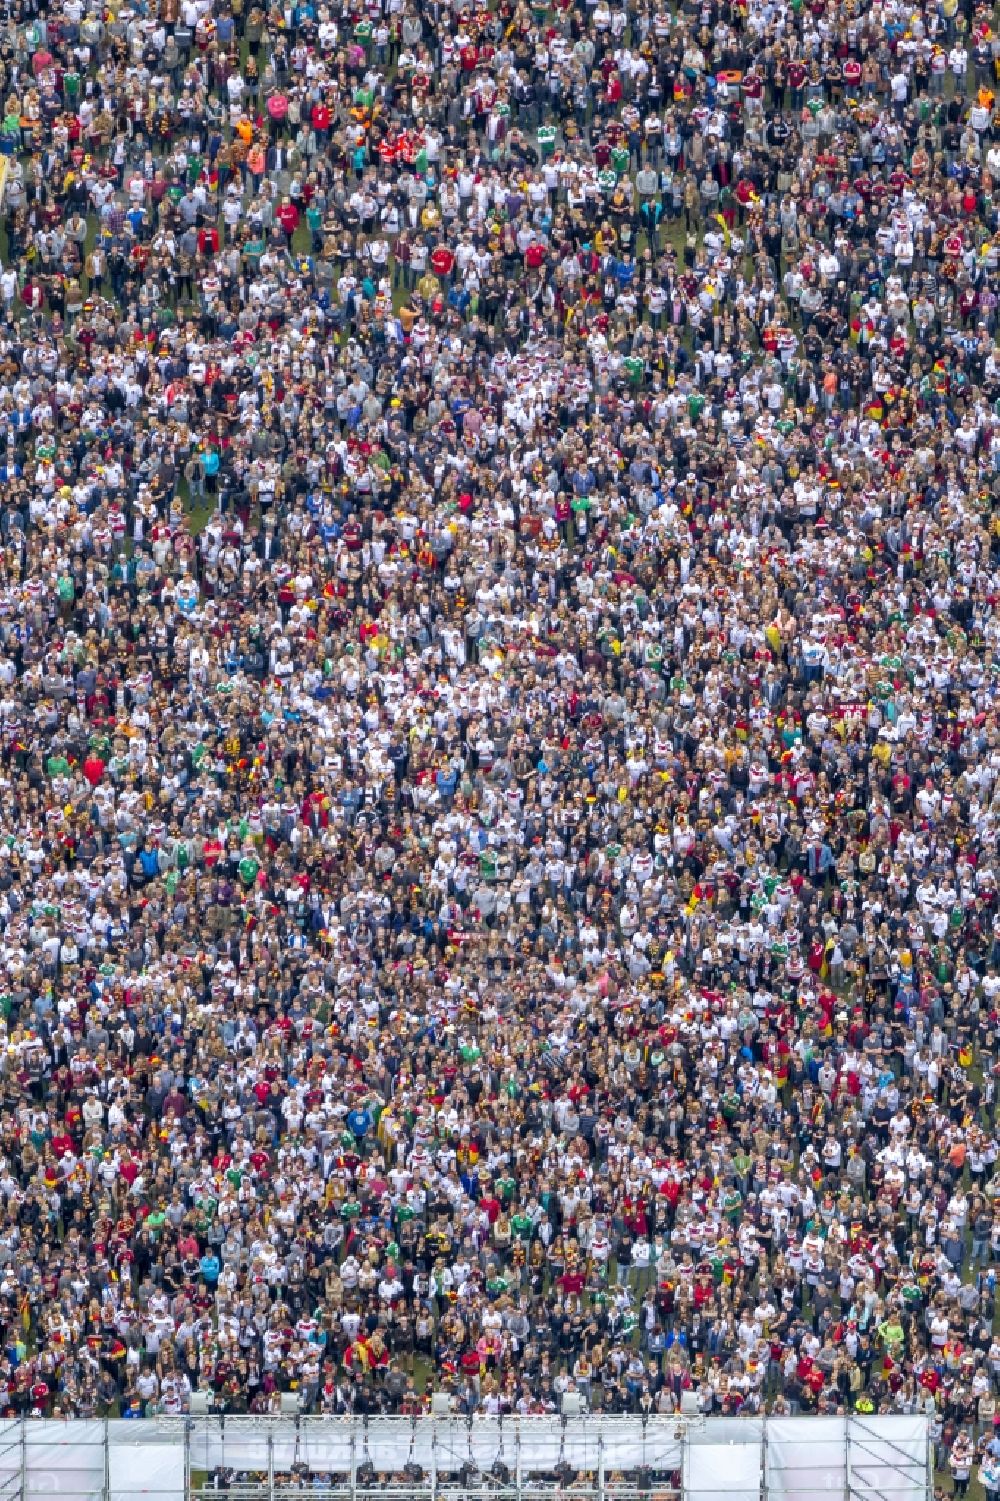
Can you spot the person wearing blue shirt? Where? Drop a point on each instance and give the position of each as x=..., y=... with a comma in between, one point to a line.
x=447, y=781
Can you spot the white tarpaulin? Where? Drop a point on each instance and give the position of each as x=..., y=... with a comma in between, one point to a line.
x=806, y=1458
x=150, y=1465
x=723, y=1462
x=10, y=1457
x=888, y=1458
x=881, y=1458
x=94, y=1461
x=65, y=1459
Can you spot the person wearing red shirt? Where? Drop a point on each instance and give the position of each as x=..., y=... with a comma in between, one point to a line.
x=572, y=1282
x=128, y=1170
x=288, y=217
x=534, y=255
x=442, y=261
x=93, y=769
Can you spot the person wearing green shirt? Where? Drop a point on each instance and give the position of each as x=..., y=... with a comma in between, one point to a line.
x=892, y=1335
x=505, y=1189
x=730, y=1104
x=635, y=368
x=522, y=1225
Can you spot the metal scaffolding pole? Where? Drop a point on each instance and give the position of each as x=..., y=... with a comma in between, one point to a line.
x=517, y=1463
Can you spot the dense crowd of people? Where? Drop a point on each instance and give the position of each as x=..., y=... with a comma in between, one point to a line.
x=498, y=707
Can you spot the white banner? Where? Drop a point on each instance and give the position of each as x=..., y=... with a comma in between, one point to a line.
x=65, y=1459
x=888, y=1458
x=150, y=1464
x=10, y=1457
x=806, y=1458
x=722, y=1462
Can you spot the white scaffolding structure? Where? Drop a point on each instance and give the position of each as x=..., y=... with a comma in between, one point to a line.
x=586, y=1458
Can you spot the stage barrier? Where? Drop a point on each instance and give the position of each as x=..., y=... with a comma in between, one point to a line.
x=591, y=1458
